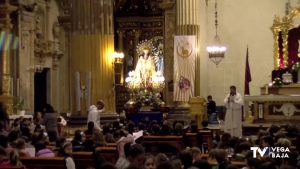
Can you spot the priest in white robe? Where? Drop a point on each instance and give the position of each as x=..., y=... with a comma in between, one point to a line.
x=94, y=116
x=233, y=117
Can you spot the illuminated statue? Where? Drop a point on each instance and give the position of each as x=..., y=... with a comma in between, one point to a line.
x=147, y=80
x=145, y=68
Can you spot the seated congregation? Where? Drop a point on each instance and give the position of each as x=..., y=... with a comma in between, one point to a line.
x=162, y=146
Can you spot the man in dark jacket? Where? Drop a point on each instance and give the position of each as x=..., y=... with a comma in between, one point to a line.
x=50, y=122
x=211, y=110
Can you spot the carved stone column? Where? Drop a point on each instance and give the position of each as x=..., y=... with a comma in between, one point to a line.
x=26, y=59
x=169, y=32
x=5, y=10
x=65, y=22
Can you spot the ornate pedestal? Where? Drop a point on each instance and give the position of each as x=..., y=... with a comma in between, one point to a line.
x=284, y=90
x=274, y=108
x=197, y=109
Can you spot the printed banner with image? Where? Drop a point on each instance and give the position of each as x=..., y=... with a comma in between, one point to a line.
x=184, y=67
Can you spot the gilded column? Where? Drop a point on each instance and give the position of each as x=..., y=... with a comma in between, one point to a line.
x=5, y=10
x=285, y=31
x=276, y=29
x=91, y=49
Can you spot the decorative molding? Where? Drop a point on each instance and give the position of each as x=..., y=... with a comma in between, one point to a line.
x=287, y=109
x=138, y=8
x=167, y=5
x=273, y=98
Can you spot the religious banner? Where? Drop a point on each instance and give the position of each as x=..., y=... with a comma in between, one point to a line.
x=184, y=67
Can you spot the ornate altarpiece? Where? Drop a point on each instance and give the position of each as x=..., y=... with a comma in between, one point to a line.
x=286, y=39
x=134, y=21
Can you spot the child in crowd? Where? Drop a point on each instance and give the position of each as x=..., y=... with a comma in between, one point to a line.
x=67, y=154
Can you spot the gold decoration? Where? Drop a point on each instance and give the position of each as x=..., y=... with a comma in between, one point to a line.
x=198, y=109
x=286, y=22
x=283, y=25
x=145, y=45
x=5, y=10
x=184, y=49
x=276, y=29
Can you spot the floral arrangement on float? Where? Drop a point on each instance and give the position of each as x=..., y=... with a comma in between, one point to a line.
x=19, y=107
x=296, y=68
x=147, y=97
x=277, y=82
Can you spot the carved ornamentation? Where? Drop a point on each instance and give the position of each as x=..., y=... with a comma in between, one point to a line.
x=137, y=7
x=283, y=25
x=129, y=25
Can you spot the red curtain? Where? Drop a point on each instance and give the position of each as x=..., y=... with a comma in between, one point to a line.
x=293, y=45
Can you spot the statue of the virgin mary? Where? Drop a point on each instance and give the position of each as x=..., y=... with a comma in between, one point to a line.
x=145, y=80
x=145, y=68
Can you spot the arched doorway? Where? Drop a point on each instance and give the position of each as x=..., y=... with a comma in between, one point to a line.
x=40, y=89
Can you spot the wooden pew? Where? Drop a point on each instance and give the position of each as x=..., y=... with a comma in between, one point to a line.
x=239, y=164
x=109, y=153
x=86, y=159
x=44, y=163
x=191, y=140
x=216, y=131
x=207, y=138
x=165, y=144
x=83, y=159
x=111, y=145
x=204, y=156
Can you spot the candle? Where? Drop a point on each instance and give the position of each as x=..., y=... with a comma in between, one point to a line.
x=267, y=89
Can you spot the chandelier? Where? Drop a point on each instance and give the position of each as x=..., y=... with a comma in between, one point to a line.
x=216, y=52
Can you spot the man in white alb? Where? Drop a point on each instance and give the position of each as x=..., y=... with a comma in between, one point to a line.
x=233, y=117
x=94, y=113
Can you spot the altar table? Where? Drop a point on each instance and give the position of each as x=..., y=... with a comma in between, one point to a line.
x=274, y=108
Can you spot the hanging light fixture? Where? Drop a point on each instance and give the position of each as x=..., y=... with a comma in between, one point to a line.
x=216, y=52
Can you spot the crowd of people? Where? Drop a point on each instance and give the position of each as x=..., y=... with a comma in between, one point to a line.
x=22, y=138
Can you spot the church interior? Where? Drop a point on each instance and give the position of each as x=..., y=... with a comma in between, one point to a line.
x=149, y=84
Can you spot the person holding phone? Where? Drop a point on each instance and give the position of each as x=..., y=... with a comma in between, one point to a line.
x=233, y=118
